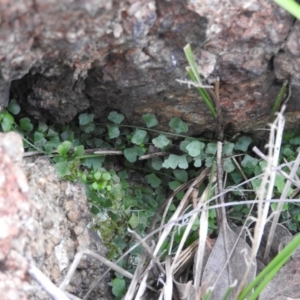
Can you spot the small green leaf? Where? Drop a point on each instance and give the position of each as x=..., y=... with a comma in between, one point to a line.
x=175, y=160
x=42, y=126
x=39, y=139
x=288, y=152
x=123, y=174
x=106, y=176
x=25, y=124
x=295, y=141
x=156, y=163
x=118, y=287
x=228, y=165
x=194, y=148
x=243, y=143
x=153, y=180
x=64, y=147
x=150, y=120
x=173, y=185
x=198, y=161
x=7, y=122
x=181, y=175
x=161, y=141
x=95, y=143
x=263, y=164
x=279, y=183
x=292, y=227
x=101, y=185
x=274, y=206
x=138, y=136
x=94, y=162
x=14, y=107
x=62, y=168
x=131, y=154
x=228, y=148
x=95, y=185
x=115, y=117
x=249, y=162
x=211, y=148
x=171, y=162
x=51, y=133
x=84, y=177
x=184, y=143
x=78, y=151
x=88, y=128
x=52, y=143
x=133, y=221
x=209, y=161
x=48, y=148
x=236, y=177
x=85, y=119
x=97, y=175
x=113, y=131
x=178, y=125
x=256, y=183
x=67, y=134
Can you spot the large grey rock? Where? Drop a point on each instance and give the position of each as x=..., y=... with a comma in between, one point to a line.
x=65, y=57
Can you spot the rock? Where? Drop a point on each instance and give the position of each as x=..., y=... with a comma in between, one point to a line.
x=15, y=215
x=44, y=221
x=64, y=57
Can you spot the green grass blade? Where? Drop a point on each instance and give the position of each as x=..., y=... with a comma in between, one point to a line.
x=279, y=97
x=291, y=6
x=228, y=293
x=203, y=93
x=207, y=295
x=191, y=60
x=195, y=77
x=261, y=281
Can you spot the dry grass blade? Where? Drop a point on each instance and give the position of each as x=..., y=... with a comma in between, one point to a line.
x=266, y=188
x=138, y=271
x=47, y=285
x=169, y=227
x=279, y=207
x=199, y=261
x=148, y=249
x=99, y=257
x=136, y=277
x=168, y=286
x=230, y=255
x=203, y=229
x=169, y=202
x=185, y=259
x=187, y=230
x=179, y=211
x=186, y=291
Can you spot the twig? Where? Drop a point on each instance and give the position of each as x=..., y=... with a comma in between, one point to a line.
x=194, y=84
x=46, y=284
x=105, y=261
x=148, y=249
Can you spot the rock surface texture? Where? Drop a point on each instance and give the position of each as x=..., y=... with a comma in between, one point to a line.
x=59, y=58
x=44, y=222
